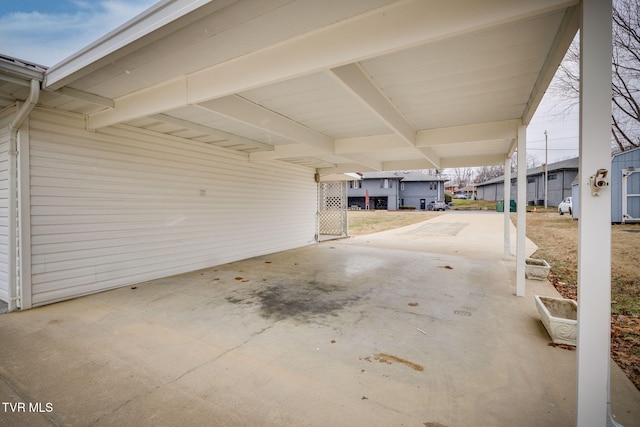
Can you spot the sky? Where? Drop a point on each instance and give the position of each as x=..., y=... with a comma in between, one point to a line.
x=562, y=131
x=47, y=31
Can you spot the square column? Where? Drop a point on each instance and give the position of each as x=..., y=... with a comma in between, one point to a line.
x=507, y=207
x=594, y=232
x=522, y=211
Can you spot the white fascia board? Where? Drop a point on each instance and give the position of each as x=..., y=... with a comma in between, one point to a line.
x=151, y=25
x=286, y=151
x=369, y=143
x=333, y=177
x=400, y=26
x=86, y=96
x=476, y=160
x=19, y=73
x=154, y=100
x=292, y=151
x=489, y=131
x=431, y=156
x=365, y=159
x=512, y=149
x=210, y=131
x=242, y=110
x=353, y=79
x=565, y=36
x=394, y=165
x=346, y=168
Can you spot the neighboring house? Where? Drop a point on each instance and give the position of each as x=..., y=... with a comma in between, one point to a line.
x=394, y=190
x=560, y=175
x=624, y=182
x=469, y=191
x=451, y=187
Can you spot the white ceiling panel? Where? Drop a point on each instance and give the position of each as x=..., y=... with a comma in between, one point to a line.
x=318, y=103
x=335, y=85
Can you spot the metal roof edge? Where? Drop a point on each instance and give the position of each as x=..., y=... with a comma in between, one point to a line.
x=624, y=152
x=557, y=166
x=20, y=69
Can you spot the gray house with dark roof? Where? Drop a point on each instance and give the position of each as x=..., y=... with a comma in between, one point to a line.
x=559, y=178
x=395, y=190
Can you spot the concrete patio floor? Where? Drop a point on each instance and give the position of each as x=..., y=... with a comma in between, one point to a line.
x=418, y=326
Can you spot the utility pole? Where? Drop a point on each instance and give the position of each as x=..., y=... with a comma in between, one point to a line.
x=546, y=170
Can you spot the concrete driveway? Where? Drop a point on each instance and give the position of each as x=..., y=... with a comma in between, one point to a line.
x=414, y=327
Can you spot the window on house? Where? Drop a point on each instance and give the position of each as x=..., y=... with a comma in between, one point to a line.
x=552, y=176
x=386, y=183
x=402, y=186
x=531, y=180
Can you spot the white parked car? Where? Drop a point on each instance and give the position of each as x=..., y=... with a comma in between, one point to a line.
x=565, y=206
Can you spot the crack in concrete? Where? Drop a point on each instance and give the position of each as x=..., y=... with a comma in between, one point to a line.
x=193, y=369
x=224, y=353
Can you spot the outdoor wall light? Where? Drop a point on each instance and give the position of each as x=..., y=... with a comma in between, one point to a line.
x=598, y=181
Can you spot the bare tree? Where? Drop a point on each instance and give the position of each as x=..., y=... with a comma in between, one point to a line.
x=626, y=73
x=625, y=61
x=485, y=173
x=532, y=162
x=463, y=176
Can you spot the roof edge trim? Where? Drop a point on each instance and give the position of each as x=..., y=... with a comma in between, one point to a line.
x=139, y=31
x=19, y=71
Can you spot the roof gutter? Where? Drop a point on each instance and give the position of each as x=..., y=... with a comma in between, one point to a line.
x=15, y=125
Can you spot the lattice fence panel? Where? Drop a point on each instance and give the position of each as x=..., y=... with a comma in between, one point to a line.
x=332, y=208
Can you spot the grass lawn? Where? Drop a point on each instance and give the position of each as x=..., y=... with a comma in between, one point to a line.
x=365, y=222
x=557, y=240
x=463, y=205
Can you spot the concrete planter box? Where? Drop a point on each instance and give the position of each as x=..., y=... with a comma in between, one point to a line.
x=537, y=269
x=560, y=317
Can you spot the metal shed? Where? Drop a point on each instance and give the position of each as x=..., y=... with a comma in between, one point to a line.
x=625, y=186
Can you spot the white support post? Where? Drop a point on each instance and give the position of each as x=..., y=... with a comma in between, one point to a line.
x=522, y=211
x=24, y=212
x=507, y=207
x=594, y=227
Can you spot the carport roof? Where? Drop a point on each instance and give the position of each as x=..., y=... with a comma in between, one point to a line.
x=340, y=86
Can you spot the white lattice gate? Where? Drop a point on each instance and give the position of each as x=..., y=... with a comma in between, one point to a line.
x=332, y=209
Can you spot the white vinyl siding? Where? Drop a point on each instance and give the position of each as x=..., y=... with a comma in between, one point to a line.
x=120, y=206
x=4, y=212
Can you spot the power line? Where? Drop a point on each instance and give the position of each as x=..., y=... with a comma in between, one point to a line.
x=575, y=138
x=552, y=149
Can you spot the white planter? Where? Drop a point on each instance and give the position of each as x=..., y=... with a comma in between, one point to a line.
x=560, y=317
x=537, y=269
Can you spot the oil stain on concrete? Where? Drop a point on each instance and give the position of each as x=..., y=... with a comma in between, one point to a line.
x=300, y=302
